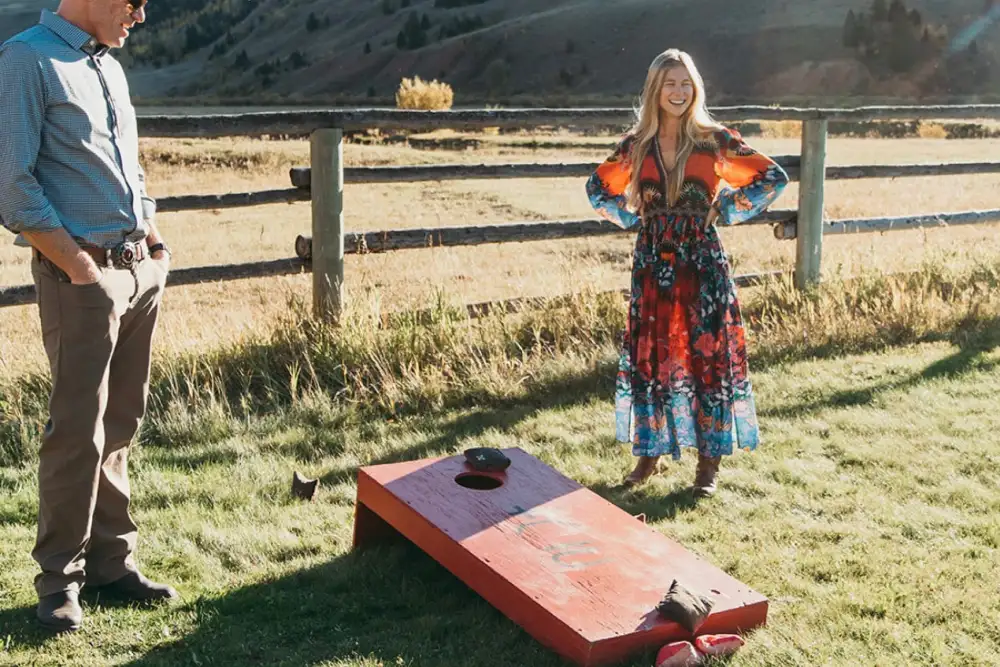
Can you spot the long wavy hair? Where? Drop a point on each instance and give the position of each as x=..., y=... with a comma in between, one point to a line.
x=696, y=124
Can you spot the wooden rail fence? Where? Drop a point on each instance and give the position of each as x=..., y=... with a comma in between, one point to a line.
x=323, y=183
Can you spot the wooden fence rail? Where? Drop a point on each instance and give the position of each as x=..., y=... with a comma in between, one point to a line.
x=322, y=183
x=301, y=178
x=304, y=123
x=519, y=232
x=22, y=295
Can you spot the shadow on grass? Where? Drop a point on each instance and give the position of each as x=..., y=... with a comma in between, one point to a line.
x=564, y=391
x=656, y=507
x=387, y=605
x=18, y=626
x=970, y=356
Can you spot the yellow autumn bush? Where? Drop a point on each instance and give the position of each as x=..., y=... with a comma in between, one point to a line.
x=416, y=93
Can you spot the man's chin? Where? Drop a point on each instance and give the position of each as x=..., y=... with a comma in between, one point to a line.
x=113, y=41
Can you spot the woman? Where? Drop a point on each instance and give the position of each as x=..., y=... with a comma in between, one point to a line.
x=683, y=379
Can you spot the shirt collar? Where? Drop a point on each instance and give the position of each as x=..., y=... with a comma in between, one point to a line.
x=76, y=37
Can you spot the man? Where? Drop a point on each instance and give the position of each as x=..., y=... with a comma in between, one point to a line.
x=71, y=187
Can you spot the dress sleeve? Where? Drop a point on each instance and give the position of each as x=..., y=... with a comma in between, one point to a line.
x=606, y=186
x=754, y=179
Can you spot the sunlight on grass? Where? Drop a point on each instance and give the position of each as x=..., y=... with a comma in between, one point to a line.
x=868, y=518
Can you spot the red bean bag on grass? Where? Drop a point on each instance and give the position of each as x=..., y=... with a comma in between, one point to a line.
x=678, y=654
x=718, y=645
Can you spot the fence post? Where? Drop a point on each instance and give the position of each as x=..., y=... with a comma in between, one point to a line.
x=327, y=193
x=809, y=236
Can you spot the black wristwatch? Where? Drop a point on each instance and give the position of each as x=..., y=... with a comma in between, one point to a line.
x=156, y=247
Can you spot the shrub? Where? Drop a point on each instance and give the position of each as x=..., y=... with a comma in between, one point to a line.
x=416, y=93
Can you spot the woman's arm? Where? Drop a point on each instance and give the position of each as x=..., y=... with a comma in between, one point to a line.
x=606, y=187
x=755, y=180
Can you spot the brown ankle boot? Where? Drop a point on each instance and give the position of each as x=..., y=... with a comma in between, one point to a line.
x=645, y=467
x=704, y=477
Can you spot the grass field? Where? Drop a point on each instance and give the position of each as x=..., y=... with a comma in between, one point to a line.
x=869, y=517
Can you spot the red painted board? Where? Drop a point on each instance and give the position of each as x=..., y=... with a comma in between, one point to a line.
x=580, y=575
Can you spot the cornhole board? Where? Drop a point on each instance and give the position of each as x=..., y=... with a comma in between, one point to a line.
x=580, y=575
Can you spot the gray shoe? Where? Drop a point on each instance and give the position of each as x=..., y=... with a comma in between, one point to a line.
x=60, y=611
x=134, y=587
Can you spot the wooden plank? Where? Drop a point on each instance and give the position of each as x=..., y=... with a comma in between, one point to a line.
x=18, y=295
x=895, y=224
x=303, y=123
x=230, y=200
x=327, y=147
x=577, y=573
x=300, y=177
x=809, y=248
x=910, y=170
x=21, y=295
x=409, y=239
x=786, y=231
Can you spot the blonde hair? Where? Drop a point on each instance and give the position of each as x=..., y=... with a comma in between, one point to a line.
x=696, y=124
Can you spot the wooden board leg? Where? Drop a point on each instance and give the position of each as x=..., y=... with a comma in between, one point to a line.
x=371, y=529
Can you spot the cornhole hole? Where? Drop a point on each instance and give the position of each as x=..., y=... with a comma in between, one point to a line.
x=580, y=575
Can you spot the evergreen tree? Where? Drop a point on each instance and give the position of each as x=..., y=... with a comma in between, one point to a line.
x=897, y=12
x=851, y=36
x=415, y=36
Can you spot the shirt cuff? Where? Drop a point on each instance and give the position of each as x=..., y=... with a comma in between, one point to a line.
x=148, y=209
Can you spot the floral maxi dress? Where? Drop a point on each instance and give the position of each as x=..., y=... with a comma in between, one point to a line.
x=683, y=379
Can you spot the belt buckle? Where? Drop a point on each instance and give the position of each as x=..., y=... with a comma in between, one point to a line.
x=124, y=256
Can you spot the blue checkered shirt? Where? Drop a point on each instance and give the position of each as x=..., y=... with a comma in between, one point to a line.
x=69, y=148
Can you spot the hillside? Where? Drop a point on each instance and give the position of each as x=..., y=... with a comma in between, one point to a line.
x=762, y=50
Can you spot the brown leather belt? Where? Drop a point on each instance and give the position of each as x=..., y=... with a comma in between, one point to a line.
x=123, y=256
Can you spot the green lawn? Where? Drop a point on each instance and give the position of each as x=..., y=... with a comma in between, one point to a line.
x=870, y=518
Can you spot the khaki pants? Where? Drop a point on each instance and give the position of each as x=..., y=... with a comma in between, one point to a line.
x=98, y=340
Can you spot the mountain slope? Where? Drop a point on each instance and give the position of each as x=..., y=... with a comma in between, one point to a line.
x=297, y=50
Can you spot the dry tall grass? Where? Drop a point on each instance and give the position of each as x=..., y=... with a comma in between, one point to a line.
x=404, y=365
